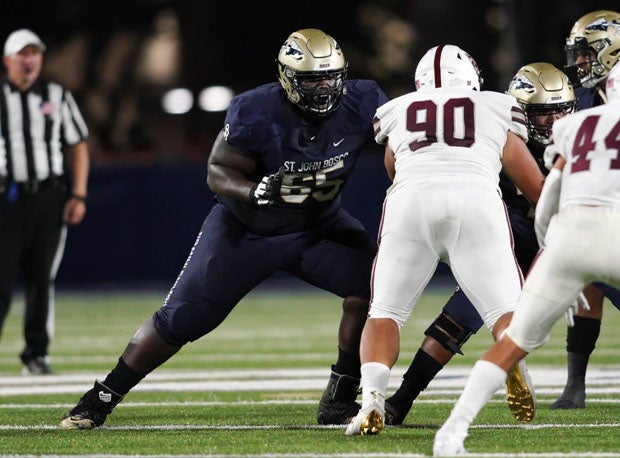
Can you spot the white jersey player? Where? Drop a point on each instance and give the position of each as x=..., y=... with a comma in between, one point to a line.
x=446, y=144
x=577, y=222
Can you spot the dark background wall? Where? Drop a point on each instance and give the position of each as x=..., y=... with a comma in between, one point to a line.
x=148, y=195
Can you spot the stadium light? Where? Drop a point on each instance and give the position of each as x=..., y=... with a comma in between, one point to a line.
x=177, y=101
x=215, y=98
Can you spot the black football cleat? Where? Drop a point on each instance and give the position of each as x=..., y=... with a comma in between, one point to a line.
x=395, y=413
x=573, y=397
x=92, y=409
x=37, y=365
x=337, y=405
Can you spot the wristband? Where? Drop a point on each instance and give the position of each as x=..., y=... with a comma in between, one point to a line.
x=78, y=197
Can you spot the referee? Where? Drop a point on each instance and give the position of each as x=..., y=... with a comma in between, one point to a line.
x=41, y=133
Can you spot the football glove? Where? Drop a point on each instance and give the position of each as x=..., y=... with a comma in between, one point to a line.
x=264, y=193
x=582, y=302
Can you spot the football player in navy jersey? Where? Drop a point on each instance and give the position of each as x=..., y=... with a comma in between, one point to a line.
x=545, y=94
x=592, y=49
x=277, y=168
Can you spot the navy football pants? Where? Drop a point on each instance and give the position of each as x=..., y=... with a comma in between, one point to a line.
x=228, y=261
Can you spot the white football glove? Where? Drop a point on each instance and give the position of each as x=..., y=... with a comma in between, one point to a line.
x=582, y=302
x=264, y=193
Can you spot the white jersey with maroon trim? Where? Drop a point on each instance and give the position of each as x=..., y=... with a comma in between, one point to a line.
x=444, y=204
x=581, y=243
x=589, y=141
x=449, y=131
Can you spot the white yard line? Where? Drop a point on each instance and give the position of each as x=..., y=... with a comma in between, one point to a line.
x=499, y=400
x=450, y=381
x=343, y=455
x=293, y=427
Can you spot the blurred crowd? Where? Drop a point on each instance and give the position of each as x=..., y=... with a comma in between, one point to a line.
x=120, y=58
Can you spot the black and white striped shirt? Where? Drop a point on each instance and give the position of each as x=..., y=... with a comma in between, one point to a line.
x=34, y=126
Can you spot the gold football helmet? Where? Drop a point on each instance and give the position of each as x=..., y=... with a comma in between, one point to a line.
x=593, y=47
x=545, y=93
x=312, y=71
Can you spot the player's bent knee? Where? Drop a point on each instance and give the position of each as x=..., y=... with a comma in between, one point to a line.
x=525, y=342
x=355, y=305
x=397, y=314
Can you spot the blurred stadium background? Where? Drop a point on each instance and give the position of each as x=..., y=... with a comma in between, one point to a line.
x=153, y=79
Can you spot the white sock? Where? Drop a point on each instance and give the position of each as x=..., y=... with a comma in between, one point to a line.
x=485, y=379
x=375, y=377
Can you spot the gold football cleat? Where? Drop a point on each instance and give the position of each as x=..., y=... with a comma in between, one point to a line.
x=520, y=393
x=368, y=422
x=372, y=424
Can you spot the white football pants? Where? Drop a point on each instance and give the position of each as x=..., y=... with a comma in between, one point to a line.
x=464, y=224
x=581, y=247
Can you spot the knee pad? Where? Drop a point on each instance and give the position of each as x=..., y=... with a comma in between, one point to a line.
x=448, y=333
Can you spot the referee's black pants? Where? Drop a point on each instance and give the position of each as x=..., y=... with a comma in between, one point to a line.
x=32, y=238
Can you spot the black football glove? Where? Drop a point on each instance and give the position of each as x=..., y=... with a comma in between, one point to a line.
x=265, y=192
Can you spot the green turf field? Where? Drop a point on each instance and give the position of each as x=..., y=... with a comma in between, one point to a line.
x=252, y=387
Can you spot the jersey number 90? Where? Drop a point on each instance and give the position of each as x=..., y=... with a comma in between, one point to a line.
x=422, y=117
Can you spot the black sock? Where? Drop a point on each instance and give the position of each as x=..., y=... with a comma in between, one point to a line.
x=422, y=370
x=122, y=378
x=582, y=337
x=580, y=342
x=348, y=364
x=577, y=366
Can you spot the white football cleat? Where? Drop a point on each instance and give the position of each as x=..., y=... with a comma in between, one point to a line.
x=449, y=442
x=369, y=421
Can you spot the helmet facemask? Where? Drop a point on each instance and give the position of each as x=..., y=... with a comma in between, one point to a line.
x=540, y=118
x=316, y=92
x=582, y=65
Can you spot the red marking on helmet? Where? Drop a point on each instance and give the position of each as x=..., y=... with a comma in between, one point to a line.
x=437, y=65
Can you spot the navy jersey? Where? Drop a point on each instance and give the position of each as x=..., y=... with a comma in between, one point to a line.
x=587, y=97
x=511, y=195
x=318, y=158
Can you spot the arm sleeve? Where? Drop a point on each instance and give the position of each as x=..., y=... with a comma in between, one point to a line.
x=547, y=204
